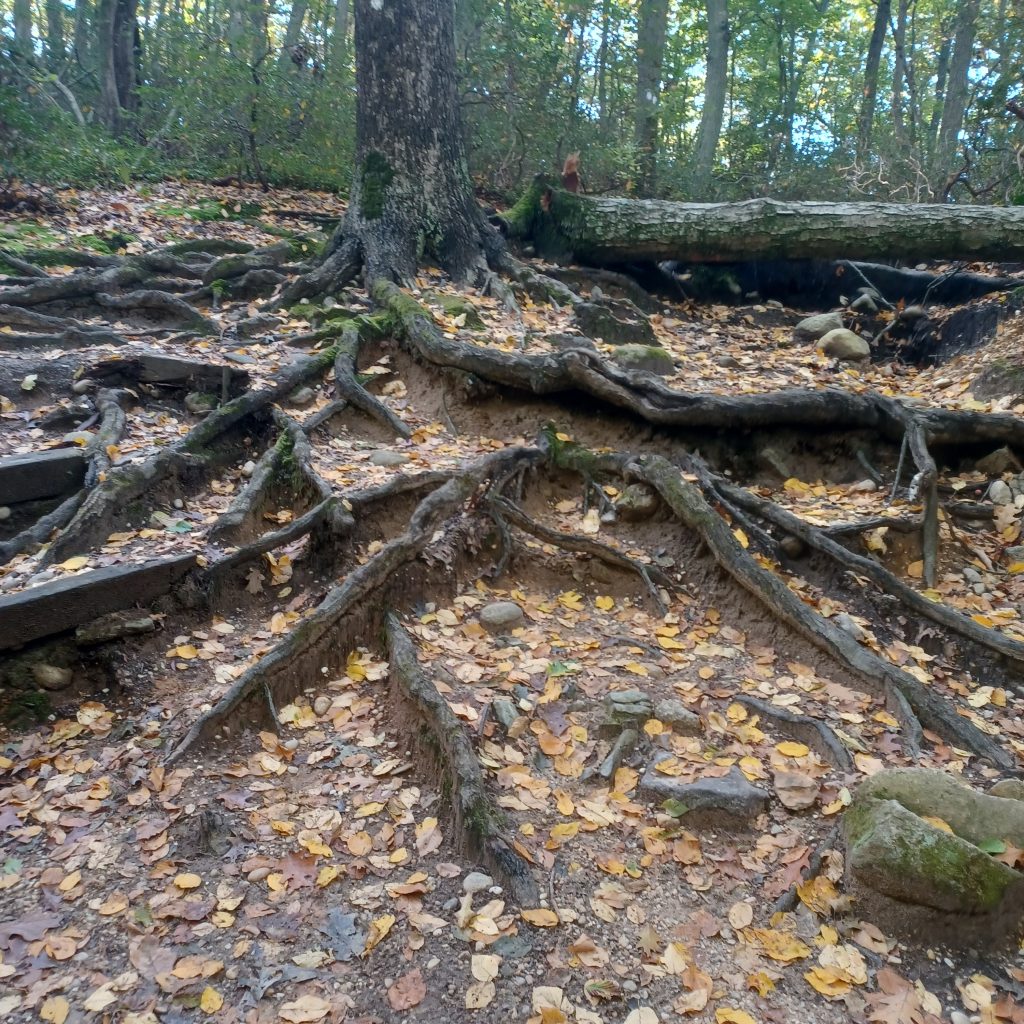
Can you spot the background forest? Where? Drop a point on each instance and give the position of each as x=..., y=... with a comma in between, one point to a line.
x=899, y=99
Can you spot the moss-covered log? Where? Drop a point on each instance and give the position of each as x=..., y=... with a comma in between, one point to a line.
x=605, y=231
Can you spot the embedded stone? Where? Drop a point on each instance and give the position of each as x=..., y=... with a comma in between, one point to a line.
x=811, y=328
x=501, y=616
x=615, y=322
x=996, y=463
x=637, y=502
x=864, y=304
x=1008, y=789
x=51, y=677
x=477, y=881
x=999, y=493
x=845, y=346
x=730, y=794
x=302, y=397
x=385, y=457
x=199, y=403
x=675, y=713
x=895, y=852
x=650, y=358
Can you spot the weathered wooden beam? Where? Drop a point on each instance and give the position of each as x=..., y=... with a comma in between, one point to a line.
x=153, y=368
x=41, y=475
x=63, y=604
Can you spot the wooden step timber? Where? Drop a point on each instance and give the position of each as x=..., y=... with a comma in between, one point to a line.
x=45, y=474
x=61, y=605
x=151, y=368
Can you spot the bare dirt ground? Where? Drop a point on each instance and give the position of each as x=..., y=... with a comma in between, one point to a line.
x=307, y=866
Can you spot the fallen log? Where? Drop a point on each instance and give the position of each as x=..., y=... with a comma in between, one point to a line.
x=608, y=231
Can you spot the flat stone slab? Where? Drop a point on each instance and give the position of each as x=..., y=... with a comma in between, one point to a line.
x=62, y=605
x=730, y=794
x=41, y=475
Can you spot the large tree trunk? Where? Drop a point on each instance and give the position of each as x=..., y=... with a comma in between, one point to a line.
x=616, y=231
x=411, y=192
x=23, y=25
x=650, y=46
x=118, y=62
x=715, y=83
x=955, y=101
x=867, y=106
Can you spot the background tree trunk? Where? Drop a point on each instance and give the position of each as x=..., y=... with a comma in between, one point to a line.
x=617, y=231
x=866, y=119
x=411, y=193
x=650, y=45
x=293, y=31
x=715, y=83
x=118, y=32
x=23, y=25
x=955, y=102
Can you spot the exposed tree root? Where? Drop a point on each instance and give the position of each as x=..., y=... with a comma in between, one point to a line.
x=442, y=737
x=124, y=485
x=650, y=574
x=935, y=712
x=347, y=387
x=149, y=298
x=112, y=421
x=363, y=582
x=788, y=901
x=949, y=618
x=812, y=731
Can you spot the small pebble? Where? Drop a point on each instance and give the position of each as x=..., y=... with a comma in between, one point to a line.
x=322, y=705
x=81, y=386
x=258, y=874
x=5, y=513
x=249, y=468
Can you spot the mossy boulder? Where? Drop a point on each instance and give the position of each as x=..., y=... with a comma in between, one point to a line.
x=974, y=816
x=637, y=502
x=919, y=836
x=651, y=358
x=615, y=322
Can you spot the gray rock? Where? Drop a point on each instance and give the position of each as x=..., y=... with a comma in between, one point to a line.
x=627, y=708
x=51, y=677
x=505, y=712
x=996, y=463
x=615, y=322
x=625, y=742
x=322, y=704
x=972, y=815
x=199, y=403
x=1015, y=553
x=302, y=397
x=893, y=851
x=254, y=325
x=477, y=881
x=501, y=616
x=651, y=358
x=5, y=512
x=999, y=493
x=911, y=314
x=564, y=341
x=728, y=362
x=864, y=304
x=675, y=713
x=1001, y=378
x=637, y=502
x=386, y=457
x=1008, y=789
x=113, y=627
x=777, y=460
x=80, y=387
x=730, y=794
x=845, y=345
x=812, y=328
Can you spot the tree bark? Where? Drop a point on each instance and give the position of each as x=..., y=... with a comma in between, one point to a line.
x=650, y=45
x=23, y=26
x=617, y=231
x=715, y=82
x=955, y=102
x=866, y=119
x=292, y=31
x=118, y=31
x=411, y=192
